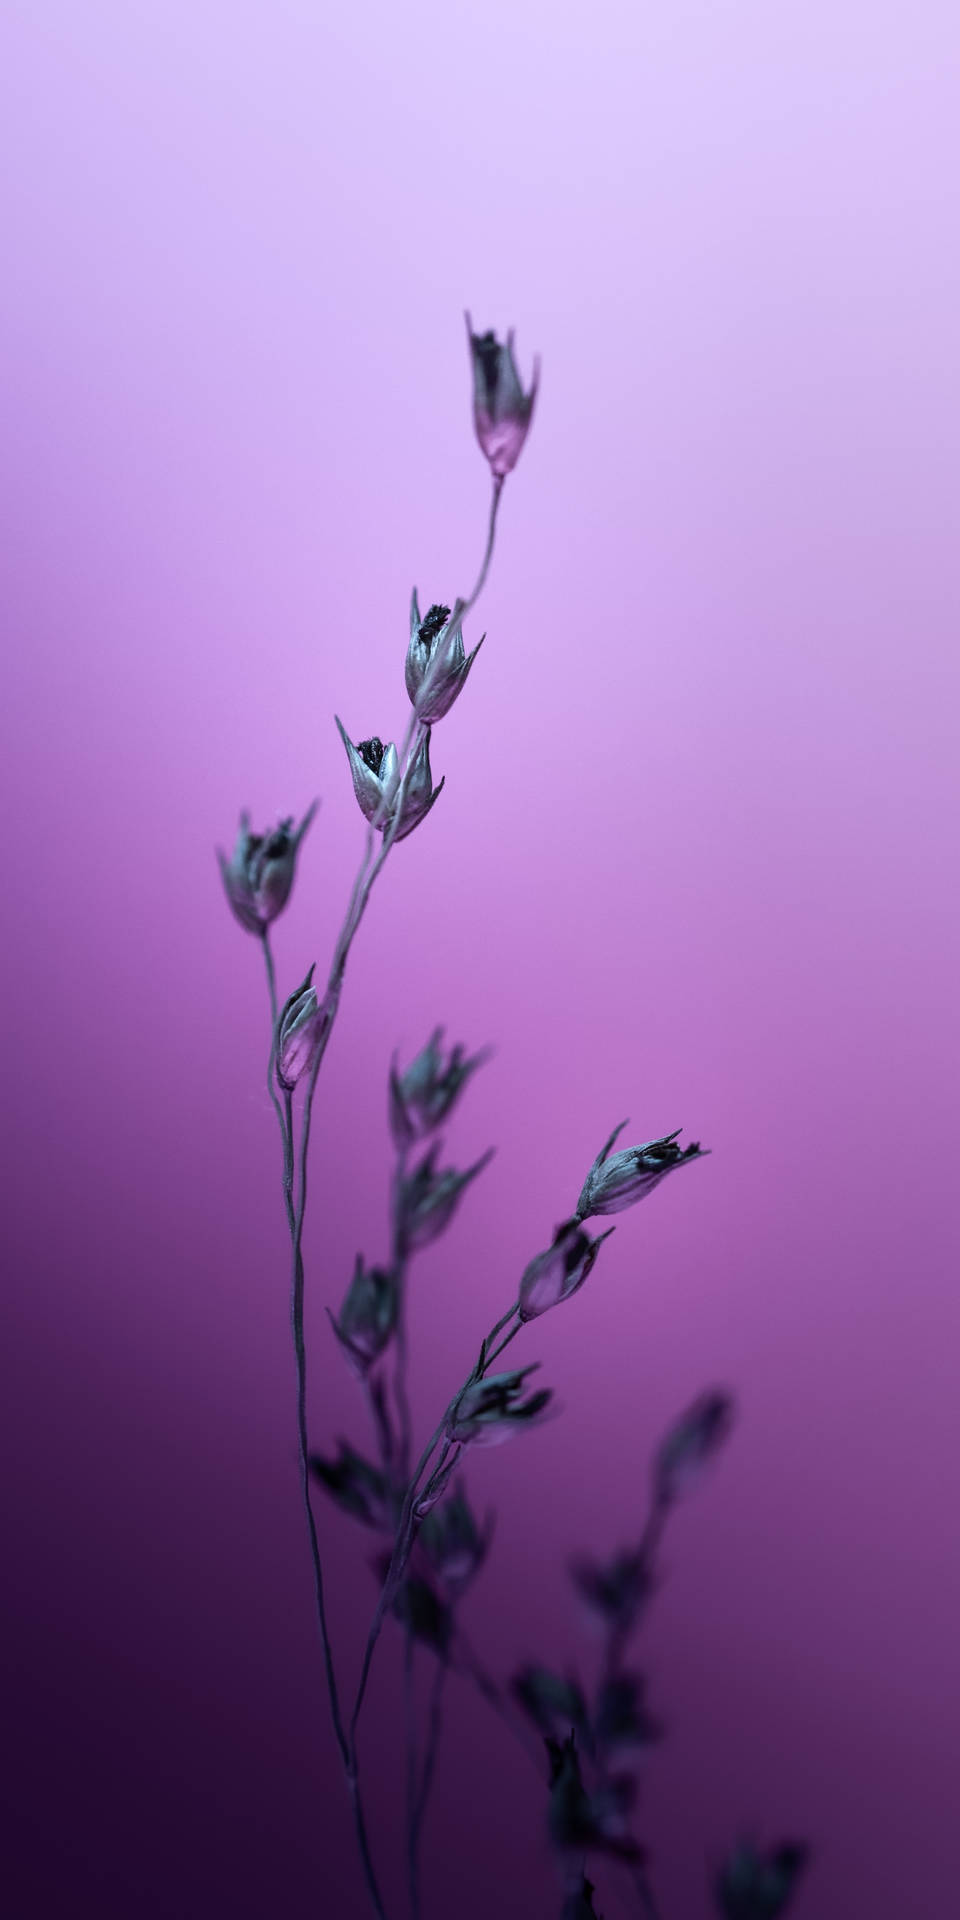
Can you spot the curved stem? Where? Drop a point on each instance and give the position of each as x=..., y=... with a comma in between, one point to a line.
x=488, y=554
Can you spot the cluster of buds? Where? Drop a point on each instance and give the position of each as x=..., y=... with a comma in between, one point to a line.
x=428, y=1199
x=758, y=1886
x=691, y=1444
x=489, y=1411
x=422, y=1098
x=368, y=1316
x=436, y=666
x=376, y=775
x=301, y=1030
x=621, y=1179
x=259, y=875
x=559, y=1272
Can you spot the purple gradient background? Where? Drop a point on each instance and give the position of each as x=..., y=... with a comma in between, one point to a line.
x=695, y=862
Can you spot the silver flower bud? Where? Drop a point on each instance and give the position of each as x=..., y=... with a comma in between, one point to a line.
x=259, y=874
x=429, y=1199
x=436, y=666
x=501, y=410
x=553, y=1276
x=367, y=1317
x=423, y=1096
x=375, y=771
x=621, y=1179
x=300, y=1030
x=491, y=1410
x=691, y=1444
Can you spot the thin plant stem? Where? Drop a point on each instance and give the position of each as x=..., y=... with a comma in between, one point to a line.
x=407, y=1523
x=285, y=1134
x=421, y=1798
x=488, y=554
x=370, y=868
x=300, y=1353
x=410, y=1705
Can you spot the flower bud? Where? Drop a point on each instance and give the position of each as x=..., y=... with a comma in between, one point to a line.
x=428, y=1200
x=357, y=1487
x=501, y=409
x=375, y=771
x=578, y=1904
x=553, y=1276
x=436, y=666
x=622, y=1719
x=619, y=1180
x=301, y=1028
x=258, y=877
x=584, y=1823
x=367, y=1317
x=691, y=1444
x=423, y=1096
x=453, y=1543
x=491, y=1410
x=755, y=1886
x=616, y=1591
x=551, y=1703
x=419, y=1608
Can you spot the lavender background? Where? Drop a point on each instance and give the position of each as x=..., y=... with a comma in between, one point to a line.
x=694, y=862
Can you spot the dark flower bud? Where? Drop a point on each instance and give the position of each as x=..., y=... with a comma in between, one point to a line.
x=259, y=875
x=755, y=1886
x=360, y=1489
x=454, y=1545
x=489, y=1411
x=367, y=1317
x=501, y=410
x=554, y=1705
x=301, y=1028
x=375, y=771
x=423, y=1096
x=553, y=1276
x=618, y=1180
x=617, y=1591
x=588, y=1823
x=578, y=1905
x=436, y=666
x=428, y=1200
x=691, y=1444
x=621, y=1717
x=420, y=1609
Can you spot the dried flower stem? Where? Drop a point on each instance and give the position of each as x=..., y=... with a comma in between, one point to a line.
x=370, y=867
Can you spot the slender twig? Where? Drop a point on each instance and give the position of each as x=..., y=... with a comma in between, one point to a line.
x=299, y=1347
x=370, y=867
x=421, y=1798
x=410, y=1706
x=488, y=555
